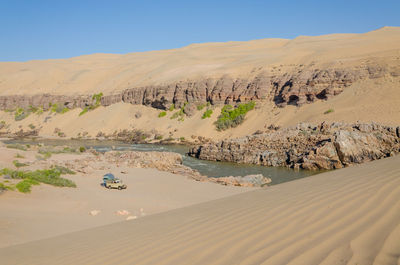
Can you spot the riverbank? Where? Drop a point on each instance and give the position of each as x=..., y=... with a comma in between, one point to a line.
x=49, y=211
x=346, y=216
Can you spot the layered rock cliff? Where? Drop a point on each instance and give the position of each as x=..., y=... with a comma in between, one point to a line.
x=324, y=146
x=303, y=84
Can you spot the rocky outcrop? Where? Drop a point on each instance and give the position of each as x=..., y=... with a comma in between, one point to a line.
x=303, y=84
x=163, y=161
x=245, y=181
x=325, y=146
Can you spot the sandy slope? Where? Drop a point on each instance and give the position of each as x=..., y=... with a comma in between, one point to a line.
x=109, y=73
x=348, y=216
x=49, y=211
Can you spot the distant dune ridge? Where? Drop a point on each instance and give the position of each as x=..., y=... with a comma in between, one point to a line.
x=348, y=216
x=356, y=76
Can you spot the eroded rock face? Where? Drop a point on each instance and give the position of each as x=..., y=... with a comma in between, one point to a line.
x=302, y=85
x=323, y=146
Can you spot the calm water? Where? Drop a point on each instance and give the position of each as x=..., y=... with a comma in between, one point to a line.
x=208, y=168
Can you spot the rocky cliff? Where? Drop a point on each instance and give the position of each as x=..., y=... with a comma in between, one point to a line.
x=324, y=146
x=303, y=84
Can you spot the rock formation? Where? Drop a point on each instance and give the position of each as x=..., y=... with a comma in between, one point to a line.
x=324, y=146
x=299, y=86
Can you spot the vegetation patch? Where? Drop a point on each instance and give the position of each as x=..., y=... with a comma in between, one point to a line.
x=207, y=114
x=25, y=185
x=180, y=114
x=21, y=114
x=19, y=156
x=18, y=146
x=18, y=164
x=50, y=176
x=6, y=187
x=231, y=117
x=329, y=111
x=95, y=105
x=162, y=114
x=172, y=107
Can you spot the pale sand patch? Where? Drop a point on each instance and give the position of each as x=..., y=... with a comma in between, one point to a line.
x=48, y=211
x=347, y=216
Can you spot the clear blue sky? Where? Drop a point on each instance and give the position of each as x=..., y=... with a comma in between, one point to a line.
x=41, y=29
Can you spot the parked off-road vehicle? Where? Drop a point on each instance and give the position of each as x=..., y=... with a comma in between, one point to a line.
x=115, y=184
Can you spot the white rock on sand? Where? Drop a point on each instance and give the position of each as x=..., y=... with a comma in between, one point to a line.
x=94, y=212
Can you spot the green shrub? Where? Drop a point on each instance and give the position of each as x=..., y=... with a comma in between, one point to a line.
x=47, y=176
x=172, y=107
x=162, y=114
x=25, y=185
x=86, y=109
x=97, y=98
x=18, y=164
x=207, y=114
x=20, y=114
x=179, y=113
x=182, y=139
x=39, y=111
x=64, y=110
x=6, y=187
x=63, y=170
x=17, y=146
x=19, y=156
x=53, y=107
x=82, y=149
x=329, y=111
x=32, y=109
x=31, y=126
x=231, y=117
x=201, y=106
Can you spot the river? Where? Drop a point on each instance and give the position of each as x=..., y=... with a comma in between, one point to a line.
x=207, y=168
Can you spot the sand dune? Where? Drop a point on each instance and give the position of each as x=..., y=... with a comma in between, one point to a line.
x=349, y=216
x=109, y=73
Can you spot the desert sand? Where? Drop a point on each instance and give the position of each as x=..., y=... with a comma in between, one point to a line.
x=48, y=211
x=110, y=73
x=347, y=216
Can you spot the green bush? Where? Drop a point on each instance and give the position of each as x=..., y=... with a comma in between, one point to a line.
x=47, y=176
x=18, y=164
x=86, y=109
x=172, y=107
x=25, y=185
x=5, y=187
x=97, y=98
x=162, y=114
x=17, y=146
x=82, y=149
x=201, y=106
x=179, y=114
x=329, y=111
x=39, y=111
x=19, y=156
x=231, y=117
x=31, y=126
x=21, y=114
x=207, y=114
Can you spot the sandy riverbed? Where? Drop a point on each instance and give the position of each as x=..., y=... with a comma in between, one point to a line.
x=48, y=211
